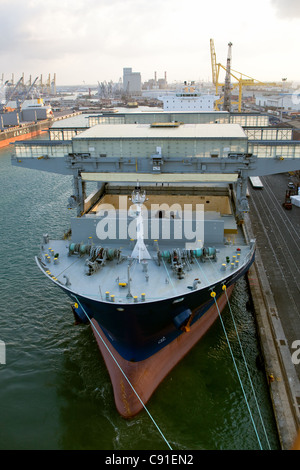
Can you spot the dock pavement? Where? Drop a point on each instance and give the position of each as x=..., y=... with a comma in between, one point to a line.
x=275, y=290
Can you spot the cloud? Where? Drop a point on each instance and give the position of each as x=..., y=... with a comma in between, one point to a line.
x=86, y=34
x=56, y=30
x=287, y=8
x=93, y=40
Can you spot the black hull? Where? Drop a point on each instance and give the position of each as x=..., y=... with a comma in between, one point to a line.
x=137, y=331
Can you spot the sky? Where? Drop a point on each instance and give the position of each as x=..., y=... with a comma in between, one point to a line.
x=86, y=41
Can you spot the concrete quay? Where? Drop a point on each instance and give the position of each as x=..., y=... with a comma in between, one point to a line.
x=274, y=284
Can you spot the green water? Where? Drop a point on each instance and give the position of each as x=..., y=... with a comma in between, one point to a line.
x=55, y=392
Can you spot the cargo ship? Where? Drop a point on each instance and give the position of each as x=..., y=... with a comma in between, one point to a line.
x=152, y=255
x=33, y=119
x=148, y=300
x=23, y=131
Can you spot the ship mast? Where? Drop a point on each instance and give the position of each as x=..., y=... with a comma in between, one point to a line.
x=140, y=251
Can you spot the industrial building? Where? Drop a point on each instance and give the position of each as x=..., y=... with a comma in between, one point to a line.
x=181, y=134
x=286, y=101
x=143, y=139
x=132, y=82
x=67, y=129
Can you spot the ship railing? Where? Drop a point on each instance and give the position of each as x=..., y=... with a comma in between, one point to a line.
x=251, y=251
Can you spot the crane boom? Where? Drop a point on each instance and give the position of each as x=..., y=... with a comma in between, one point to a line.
x=31, y=86
x=213, y=62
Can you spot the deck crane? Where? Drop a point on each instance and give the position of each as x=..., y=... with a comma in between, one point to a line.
x=31, y=86
x=53, y=85
x=240, y=81
x=4, y=106
x=3, y=85
x=1, y=91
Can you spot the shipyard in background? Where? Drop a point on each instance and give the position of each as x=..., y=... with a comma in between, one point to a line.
x=237, y=92
x=237, y=126
x=27, y=101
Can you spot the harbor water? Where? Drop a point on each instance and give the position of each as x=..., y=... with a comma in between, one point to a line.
x=55, y=392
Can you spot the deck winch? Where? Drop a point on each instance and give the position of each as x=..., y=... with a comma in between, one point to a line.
x=98, y=255
x=181, y=259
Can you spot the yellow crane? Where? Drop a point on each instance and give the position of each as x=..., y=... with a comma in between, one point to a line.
x=240, y=81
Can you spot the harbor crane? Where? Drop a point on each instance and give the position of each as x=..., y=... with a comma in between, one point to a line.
x=241, y=81
x=227, y=87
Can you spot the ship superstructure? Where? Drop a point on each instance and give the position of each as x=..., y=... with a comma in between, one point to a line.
x=189, y=98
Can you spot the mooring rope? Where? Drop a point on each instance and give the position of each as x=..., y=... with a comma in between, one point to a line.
x=224, y=288
x=120, y=368
x=213, y=294
x=246, y=365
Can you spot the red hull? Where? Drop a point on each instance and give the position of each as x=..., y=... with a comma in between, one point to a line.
x=27, y=135
x=145, y=376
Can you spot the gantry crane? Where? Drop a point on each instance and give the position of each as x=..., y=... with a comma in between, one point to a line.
x=240, y=81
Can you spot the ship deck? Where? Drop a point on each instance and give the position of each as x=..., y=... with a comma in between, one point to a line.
x=128, y=280
x=115, y=270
